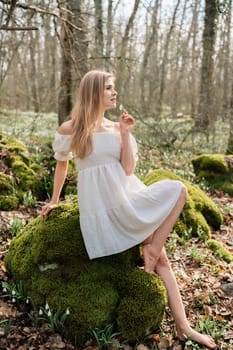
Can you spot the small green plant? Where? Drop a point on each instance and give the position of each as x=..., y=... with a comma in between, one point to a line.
x=211, y=326
x=172, y=243
x=55, y=320
x=15, y=227
x=197, y=256
x=105, y=338
x=203, y=184
x=5, y=326
x=190, y=345
x=17, y=292
x=29, y=200
x=201, y=233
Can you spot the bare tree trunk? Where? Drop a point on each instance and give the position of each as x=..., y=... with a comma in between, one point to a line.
x=99, y=37
x=121, y=67
x=79, y=39
x=33, y=78
x=164, y=61
x=230, y=139
x=109, y=35
x=152, y=40
x=226, y=67
x=205, y=116
x=74, y=57
x=194, y=62
x=65, y=93
x=181, y=54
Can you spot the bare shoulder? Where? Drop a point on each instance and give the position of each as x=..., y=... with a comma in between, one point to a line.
x=65, y=128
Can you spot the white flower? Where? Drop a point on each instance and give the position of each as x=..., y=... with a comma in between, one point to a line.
x=47, y=306
x=13, y=292
x=4, y=290
x=67, y=311
x=49, y=313
x=40, y=312
x=13, y=300
x=27, y=301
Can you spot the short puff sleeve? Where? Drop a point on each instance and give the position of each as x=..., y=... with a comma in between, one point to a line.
x=61, y=147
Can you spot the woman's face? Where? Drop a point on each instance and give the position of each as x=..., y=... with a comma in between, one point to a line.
x=110, y=94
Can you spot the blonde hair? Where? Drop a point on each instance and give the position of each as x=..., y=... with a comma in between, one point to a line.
x=87, y=110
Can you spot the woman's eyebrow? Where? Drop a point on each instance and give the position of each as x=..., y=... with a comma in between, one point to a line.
x=109, y=85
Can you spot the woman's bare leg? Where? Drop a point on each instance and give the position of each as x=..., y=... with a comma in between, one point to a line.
x=184, y=330
x=153, y=245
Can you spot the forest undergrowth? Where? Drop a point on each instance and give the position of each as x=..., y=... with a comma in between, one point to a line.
x=203, y=277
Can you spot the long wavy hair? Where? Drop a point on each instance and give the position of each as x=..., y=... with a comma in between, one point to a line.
x=87, y=111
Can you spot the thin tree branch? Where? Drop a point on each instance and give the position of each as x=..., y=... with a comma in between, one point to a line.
x=18, y=28
x=42, y=11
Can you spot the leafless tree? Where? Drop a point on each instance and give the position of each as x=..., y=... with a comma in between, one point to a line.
x=206, y=116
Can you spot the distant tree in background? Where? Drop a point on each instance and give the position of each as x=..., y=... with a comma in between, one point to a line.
x=206, y=114
x=168, y=60
x=73, y=55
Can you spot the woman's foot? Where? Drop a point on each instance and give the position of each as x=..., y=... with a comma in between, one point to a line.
x=149, y=259
x=202, y=339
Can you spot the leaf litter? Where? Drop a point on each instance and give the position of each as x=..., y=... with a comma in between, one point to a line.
x=205, y=282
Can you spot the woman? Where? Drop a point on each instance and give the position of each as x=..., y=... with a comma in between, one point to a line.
x=117, y=211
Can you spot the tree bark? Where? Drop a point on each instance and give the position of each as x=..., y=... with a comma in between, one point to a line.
x=99, y=37
x=109, y=35
x=33, y=78
x=121, y=67
x=74, y=57
x=164, y=61
x=65, y=92
x=152, y=40
x=205, y=116
x=230, y=139
x=226, y=67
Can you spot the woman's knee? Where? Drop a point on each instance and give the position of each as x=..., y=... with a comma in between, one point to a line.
x=183, y=193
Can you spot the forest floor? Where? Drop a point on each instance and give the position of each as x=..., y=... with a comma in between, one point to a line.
x=205, y=281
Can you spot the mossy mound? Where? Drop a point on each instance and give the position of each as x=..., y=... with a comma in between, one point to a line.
x=216, y=170
x=220, y=249
x=20, y=175
x=50, y=259
x=200, y=212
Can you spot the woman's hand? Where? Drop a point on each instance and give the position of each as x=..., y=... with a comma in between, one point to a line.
x=47, y=208
x=126, y=122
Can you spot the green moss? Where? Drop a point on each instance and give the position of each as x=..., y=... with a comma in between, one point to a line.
x=199, y=213
x=216, y=170
x=210, y=162
x=143, y=307
x=25, y=174
x=220, y=249
x=13, y=145
x=9, y=202
x=6, y=185
x=49, y=257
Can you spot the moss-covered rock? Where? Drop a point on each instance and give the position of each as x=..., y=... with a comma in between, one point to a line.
x=220, y=249
x=50, y=259
x=216, y=170
x=9, y=202
x=200, y=212
x=19, y=174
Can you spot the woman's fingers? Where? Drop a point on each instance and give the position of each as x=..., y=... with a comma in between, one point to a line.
x=46, y=209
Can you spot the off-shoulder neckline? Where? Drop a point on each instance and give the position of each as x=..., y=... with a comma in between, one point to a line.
x=94, y=133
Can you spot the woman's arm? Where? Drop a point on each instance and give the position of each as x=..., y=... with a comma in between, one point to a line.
x=59, y=179
x=127, y=158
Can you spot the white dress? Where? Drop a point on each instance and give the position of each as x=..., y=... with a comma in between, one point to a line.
x=117, y=211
